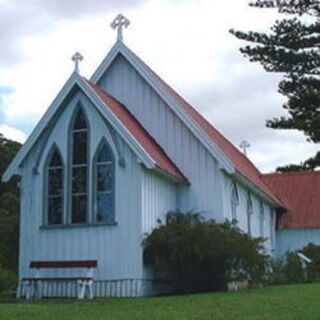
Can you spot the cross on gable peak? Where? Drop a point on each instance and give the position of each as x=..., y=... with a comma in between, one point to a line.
x=118, y=23
x=244, y=145
x=77, y=57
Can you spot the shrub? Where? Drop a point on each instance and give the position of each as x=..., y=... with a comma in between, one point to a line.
x=312, y=251
x=8, y=282
x=291, y=269
x=198, y=255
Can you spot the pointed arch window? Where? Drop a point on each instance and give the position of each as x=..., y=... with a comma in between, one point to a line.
x=272, y=227
x=261, y=219
x=79, y=168
x=249, y=213
x=55, y=186
x=234, y=201
x=104, y=181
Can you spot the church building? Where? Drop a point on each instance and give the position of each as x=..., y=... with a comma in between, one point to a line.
x=109, y=158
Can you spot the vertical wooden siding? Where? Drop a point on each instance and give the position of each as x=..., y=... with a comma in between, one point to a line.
x=117, y=248
x=159, y=196
x=242, y=217
x=125, y=84
x=295, y=239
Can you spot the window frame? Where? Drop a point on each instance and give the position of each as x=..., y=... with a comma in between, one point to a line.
x=261, y=218
x=95, y=191
x=272, y=228
x=234, y=202
x=250, y=212
x=79, y=108
x=45, y=218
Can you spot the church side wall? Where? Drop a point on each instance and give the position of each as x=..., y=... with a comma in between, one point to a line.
x=205, y=192
x=117, y=248
x=268, y=231
x=295, y=239
x=159, y=196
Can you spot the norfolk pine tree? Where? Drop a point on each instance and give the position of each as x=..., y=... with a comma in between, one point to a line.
x=292, y=48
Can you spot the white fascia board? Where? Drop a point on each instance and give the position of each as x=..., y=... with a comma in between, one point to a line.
x=116, y=123
x=170, y=177
x=13, y=168
x=119, y=47
x=256, y=190
x=106, y=62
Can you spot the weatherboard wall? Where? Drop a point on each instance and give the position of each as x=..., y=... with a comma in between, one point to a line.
x=207, y=193
x=295, y=239
x=268, y=224
x=117, y=248
x=159, y=196
x=204, y=195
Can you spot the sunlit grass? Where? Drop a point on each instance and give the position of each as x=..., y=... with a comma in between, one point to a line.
x=280, y=302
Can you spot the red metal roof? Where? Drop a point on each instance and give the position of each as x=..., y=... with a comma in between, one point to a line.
x=301, y=191
x=128, y=120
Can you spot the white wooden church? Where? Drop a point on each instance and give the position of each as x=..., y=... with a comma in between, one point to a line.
x=110, y=157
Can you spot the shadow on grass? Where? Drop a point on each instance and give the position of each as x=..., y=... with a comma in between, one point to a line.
x=43, y=301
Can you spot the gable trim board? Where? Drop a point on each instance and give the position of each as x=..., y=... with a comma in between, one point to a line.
x=248, y=174
x=166, y=167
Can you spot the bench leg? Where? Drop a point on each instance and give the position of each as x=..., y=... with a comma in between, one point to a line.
x=81, y=289
x=90, y=288
x=83, y=286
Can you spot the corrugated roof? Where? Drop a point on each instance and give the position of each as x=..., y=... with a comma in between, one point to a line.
x=161, y=159
x=301, y=190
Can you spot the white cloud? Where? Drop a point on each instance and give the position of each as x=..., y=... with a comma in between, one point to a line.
x=187, y=42
x=13, y=133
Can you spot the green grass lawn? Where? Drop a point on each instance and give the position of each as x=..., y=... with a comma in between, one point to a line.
x=281, y=302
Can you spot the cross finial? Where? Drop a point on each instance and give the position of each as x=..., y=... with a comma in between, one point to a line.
x=76, y=58
x=118, y=23
x=244, y=145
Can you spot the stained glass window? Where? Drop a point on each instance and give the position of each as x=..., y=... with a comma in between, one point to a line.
x=79, y=169
x=261, y=219
x=54, y=188
x=234, y=201
x=249, y=213
x=272, y=227
x=104, y=184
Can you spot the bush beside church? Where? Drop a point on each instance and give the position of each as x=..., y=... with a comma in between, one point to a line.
x=197, y=255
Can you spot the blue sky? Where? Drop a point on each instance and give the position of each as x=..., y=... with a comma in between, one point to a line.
x=186, y=41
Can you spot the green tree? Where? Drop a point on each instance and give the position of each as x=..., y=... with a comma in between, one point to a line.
x=9, y=217
x=292, y=47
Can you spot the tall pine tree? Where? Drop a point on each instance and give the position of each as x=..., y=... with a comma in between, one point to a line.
x=292, y=47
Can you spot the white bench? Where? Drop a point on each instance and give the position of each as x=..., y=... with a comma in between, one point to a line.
x=35, y=283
